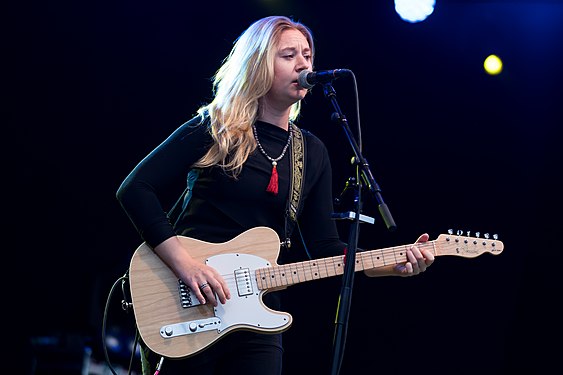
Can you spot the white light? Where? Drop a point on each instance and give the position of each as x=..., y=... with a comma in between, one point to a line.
x=414, y=10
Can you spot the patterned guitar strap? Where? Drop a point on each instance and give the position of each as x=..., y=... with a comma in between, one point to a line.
x=294, y=203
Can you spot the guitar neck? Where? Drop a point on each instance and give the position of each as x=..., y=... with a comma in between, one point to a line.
x=280, y=276
x=295, y=273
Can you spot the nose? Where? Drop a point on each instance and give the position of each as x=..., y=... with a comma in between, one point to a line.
x=302, y=63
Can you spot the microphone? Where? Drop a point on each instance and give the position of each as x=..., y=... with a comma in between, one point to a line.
x=307, y=79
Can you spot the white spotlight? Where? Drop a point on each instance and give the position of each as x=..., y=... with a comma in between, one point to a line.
x=414, y=10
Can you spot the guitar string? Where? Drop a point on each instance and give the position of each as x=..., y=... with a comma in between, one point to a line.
x=304, y=271
x=306, y=268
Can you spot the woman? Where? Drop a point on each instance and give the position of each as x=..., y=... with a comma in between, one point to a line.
x=240, y=144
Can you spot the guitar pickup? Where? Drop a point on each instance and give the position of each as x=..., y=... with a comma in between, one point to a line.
x=187, y=328
x=244, y=283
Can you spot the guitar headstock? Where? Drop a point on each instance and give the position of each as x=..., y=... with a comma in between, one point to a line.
x=466, y=246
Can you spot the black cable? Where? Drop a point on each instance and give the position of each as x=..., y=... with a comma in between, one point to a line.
x=133, y=352
x=122, y=278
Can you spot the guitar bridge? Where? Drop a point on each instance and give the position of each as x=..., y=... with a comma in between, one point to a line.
x=186, y=297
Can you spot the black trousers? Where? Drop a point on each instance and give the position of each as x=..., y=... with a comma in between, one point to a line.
x=247, y=353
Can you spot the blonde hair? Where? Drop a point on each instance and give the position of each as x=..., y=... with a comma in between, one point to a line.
x=245, y=76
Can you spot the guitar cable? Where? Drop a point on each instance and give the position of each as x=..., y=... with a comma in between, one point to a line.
x=125, y=306
x=159, y=366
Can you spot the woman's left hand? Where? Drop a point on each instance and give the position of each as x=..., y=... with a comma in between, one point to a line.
x=418, y=260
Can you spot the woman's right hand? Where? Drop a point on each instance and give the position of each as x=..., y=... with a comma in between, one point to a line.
x=204, y=281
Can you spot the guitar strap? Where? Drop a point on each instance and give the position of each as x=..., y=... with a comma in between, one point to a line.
x=297, y=179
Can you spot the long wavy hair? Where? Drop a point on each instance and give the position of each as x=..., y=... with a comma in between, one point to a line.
x=245, y=76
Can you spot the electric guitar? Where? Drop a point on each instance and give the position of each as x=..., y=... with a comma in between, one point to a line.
x=174, y=324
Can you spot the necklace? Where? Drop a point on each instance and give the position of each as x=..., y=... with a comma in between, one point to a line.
x=273, y=184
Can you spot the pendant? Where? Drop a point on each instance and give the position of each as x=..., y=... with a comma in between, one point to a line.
x=273, y=185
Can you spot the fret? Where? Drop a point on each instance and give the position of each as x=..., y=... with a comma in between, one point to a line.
x=284, y=270
x=377, y=258
x=294, y=273
x=359, y=263
x=388, y=257
x=306, y=275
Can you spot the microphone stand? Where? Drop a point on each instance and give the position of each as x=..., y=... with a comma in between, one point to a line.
x=366, y=177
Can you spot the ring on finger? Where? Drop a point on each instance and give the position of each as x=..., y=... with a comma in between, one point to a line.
x=204, y=285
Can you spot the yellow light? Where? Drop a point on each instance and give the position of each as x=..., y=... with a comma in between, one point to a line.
x=493, y=65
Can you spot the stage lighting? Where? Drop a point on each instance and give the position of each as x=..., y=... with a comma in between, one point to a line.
x=414, y=10
x=493, y=65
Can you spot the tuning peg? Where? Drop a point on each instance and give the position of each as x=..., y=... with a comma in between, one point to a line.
x=486, y=236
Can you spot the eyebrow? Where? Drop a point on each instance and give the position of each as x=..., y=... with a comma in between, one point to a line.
x=293, y=49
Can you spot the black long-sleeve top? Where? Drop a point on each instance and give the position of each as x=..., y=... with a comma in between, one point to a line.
x=222, y=207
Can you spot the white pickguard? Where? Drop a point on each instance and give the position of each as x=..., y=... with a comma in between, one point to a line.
x=245, y=306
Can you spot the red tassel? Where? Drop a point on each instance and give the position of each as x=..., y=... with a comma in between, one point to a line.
x=273, y=185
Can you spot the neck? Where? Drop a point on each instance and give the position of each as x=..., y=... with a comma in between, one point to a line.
x=281, y=121
x=274, y=117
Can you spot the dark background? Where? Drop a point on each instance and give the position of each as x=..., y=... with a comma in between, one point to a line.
x=91, y=87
